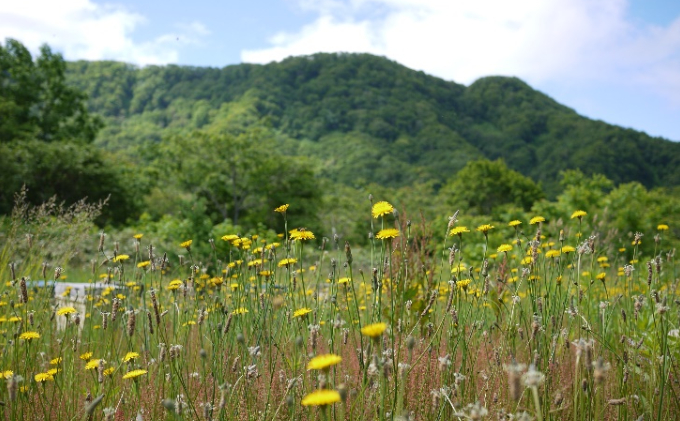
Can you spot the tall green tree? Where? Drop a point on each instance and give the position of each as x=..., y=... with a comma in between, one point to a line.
x=242, y=177
x=483, y=185
x=36, y=102
x=45, y=139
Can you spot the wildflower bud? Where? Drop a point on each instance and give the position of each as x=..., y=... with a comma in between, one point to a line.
x=203, y=353
x=234, y=365
x=162, y=353
x=76, y=319
x=348, y=253
x=131, y=323
x=299, y=342
x=23, y=297
x=370, y=198
x=150, y=320
x=240, y=338
x=212, y=244
x=44, y=270
x=57, y=272
x=114, y=308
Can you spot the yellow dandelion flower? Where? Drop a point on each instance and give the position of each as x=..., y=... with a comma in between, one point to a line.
x=55, y=361
x=43, y=377
x=343, y=280
x=600, y=276
x=387, y=233
x=287, y=262
x=138, y=236
x=527, y=260
x=143, y=264
x=381, y=208
x=52, y=371
x=130, y=356
x=301, y=312
x=459, y=268
x=578, y=214
x=14, y=319
x=323, y=362
x=186, y=244
x=7, y=374
x=536, y=219
x=108, y=371
x=463, y=284
x=134, y=373
x=28, y=336
x=374, y=330
x=230, y=237
x=86, y=356
x=65, y=311
x=485, y=228
x=240, y=310
x=552, y=253
x=515, y=223
x=282, y=208
x=662, y=227
x=602, y=259
x=301, y=234
x=92, y=364
x=458, y=231
x=504, y=248
x=321, y=397
x=568, y=249
x=120, y=258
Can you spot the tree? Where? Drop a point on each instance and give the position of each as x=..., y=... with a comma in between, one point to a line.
x=243, y=177
x=483, y=185
x=36, y=102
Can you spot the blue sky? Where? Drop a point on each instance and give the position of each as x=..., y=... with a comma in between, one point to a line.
x=612, y=60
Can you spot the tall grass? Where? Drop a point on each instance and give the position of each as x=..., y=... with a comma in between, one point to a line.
x=551, y=324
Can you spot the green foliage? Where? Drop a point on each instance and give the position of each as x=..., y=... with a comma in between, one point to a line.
x=36, y=102
x=366, y=119
x=242, y=177
x=70, y=172
x=482, y=186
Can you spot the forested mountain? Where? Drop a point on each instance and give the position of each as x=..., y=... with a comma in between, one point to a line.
x=368, y=119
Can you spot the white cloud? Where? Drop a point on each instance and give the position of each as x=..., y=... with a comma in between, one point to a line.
x=82, y=29
x=540, y=41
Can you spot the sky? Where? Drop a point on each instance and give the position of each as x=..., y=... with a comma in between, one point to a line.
x=611, y=60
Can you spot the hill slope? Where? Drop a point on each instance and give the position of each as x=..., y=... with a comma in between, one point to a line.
x=368, y=119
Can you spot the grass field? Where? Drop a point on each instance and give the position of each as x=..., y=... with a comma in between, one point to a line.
x=549, y=324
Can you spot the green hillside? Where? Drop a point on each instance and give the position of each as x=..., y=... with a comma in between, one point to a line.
x=368, y=119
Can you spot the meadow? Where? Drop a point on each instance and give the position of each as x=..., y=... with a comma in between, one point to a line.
x=518, y=319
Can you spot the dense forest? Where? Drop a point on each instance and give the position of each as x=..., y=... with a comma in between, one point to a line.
x=182, y=149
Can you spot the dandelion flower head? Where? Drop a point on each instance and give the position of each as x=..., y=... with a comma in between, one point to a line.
x=387, y=233
x=282, y=208
x=321, y=397
x=134, y=373
x=536, y=219
x=381, y=208
x=578, y=214
x=65, y=311
x=322, y=362
x=374, y=330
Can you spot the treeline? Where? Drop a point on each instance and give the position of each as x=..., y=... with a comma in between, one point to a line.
x=197, y=151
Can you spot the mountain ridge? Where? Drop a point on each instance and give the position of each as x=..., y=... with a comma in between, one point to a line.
x=404, y=126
